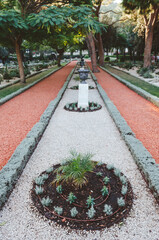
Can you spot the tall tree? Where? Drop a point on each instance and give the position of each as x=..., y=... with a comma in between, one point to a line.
x=149, y=10
x=14, y=26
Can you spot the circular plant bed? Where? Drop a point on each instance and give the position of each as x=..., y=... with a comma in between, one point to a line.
x=76, y=87
x=83, y=194
x=73, y=107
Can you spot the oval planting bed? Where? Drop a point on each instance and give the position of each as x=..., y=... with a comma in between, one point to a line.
x=83, y=194
x=73, y=107
x=76, y=87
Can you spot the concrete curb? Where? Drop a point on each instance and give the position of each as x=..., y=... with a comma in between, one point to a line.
x=143, y=159
x=21, y=90
x=141, y=92
x=13, y=169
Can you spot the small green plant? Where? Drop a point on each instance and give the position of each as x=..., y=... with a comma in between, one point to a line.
x=46, y=201
x=77, y=78
x=59, y=189
x=90, y=201
x=71, y=198
x=124, y=190
x=110, y=166
x=58, y=210
x=74, y=212
x=49, y=170
x=99, y=163
x=121, y=202
x=106, y=180
x=91, y=212
x=123, y=180
x=39, y=190
x=39, y=180
x=45, y=176
x=117, y=172
x=104, y=191
x=108, y=209
x=99, y=174
x=75, y=169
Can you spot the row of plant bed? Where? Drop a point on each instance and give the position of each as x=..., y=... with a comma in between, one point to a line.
x=73, y=107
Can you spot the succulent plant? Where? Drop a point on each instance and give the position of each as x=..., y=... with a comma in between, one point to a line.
x=121, y=202
x=123, y=180
x=108, y=209
x=90, y=201
x=71, y=198
x=110, y=166
x=59, y=189
x=106, y=180
x=39, y=180
x=45, y=176
x=39, y=190
x=104, y=191
x=99, y=163
x=67, y=105
x=74, y=212
x=49, y=170
x=91, y=212
x=124, y=190
x=99, y=174
x=58, y=210
x=117, y=172
x=46, y=201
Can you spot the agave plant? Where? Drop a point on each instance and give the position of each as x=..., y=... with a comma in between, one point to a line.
x=75, y=169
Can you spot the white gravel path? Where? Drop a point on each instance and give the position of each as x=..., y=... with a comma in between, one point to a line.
x=93, y=132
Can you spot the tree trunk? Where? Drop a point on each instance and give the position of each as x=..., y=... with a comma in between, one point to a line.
x=148, y=46
x=60, y=52
x=92, y=51
x=100, y=50
x=20, y=62
x=149, y=29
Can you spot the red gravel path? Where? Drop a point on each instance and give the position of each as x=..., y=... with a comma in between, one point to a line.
x=141, y=115
x=20, y=114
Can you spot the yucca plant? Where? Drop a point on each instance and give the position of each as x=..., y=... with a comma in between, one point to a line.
x=75, y=169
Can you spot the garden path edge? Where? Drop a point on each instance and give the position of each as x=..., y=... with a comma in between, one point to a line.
x=21, y=90
x=144, y=160
x=11, y=172
x=141, y=92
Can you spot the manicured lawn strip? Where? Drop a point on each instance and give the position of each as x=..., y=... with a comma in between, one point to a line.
x=10, y=89
x=154, y=90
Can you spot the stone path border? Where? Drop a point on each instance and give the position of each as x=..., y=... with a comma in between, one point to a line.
x=21, y=90
x=143, y=159
x=141, y=92
x=13, y=169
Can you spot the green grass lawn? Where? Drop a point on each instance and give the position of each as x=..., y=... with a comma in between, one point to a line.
x=10, y=89
x=154, y=90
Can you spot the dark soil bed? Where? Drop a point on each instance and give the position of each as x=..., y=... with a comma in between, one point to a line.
x=73, y=107
x=93, y=188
